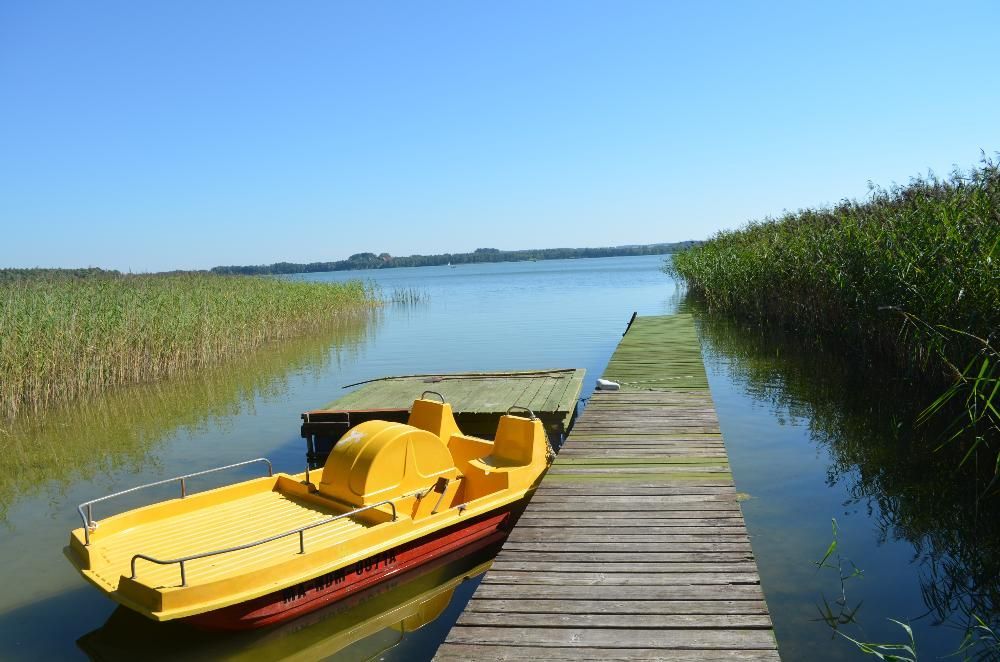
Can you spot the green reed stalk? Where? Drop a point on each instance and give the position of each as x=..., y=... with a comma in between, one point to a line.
x=910, y=277
x=61, y=337
x=930, y=249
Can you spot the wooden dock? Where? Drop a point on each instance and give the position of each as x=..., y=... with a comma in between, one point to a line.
x=634, y=545
x=479, y=398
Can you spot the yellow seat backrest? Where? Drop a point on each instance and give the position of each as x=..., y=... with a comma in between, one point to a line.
x=435, y=417
x=519, y=457
x=518, y=441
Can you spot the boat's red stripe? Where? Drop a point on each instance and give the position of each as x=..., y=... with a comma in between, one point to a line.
x=338, y=584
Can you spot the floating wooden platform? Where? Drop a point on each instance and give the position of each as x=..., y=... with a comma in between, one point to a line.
x=634, y=545
x=479, y=398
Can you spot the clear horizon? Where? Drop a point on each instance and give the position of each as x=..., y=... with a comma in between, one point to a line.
x=183, y=135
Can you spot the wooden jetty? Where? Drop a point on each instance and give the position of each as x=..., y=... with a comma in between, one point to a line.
x=634, y=545
x=477, y=398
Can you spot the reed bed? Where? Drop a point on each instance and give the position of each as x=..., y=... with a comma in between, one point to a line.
x=408, y=296
x=904, y=275
x=64, y=336
x=119, y=429
x=908, y=280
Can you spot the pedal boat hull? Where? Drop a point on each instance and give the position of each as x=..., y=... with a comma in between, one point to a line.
x=331, y=587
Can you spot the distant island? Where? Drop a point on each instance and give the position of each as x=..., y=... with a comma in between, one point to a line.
x=386, y=261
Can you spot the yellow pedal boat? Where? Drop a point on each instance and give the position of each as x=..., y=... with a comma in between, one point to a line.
x=390, y=497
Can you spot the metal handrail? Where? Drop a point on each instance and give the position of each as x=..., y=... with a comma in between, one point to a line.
x=300, y=531
x=88, y=518
x=513, y=407
x=432, y=393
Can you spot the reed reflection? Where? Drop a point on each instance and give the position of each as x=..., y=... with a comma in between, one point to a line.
x=865, y=418
x=116, y=431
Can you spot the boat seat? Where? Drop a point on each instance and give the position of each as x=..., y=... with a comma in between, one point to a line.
x=520, y=445
x=492, y=463
x=464, y=448
x=435, y=417
x=517, y=442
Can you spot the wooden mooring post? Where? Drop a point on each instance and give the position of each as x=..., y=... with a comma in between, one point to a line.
x=634, y=545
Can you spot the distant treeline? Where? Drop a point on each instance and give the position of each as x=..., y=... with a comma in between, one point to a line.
x=83, y=273
x=7, y=275
x=386, y=261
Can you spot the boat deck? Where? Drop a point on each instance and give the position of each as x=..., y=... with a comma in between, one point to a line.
x=634, y=545
x=224, y=525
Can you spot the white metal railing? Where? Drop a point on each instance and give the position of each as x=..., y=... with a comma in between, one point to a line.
x=88, y=517
x=300, y=531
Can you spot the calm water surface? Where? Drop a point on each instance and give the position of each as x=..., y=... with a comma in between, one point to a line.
x=787, y=453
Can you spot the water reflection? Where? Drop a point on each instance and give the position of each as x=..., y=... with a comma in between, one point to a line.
x=864, y=419
x=364, y=626
x=115, y=431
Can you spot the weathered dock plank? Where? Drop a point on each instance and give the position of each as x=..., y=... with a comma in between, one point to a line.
x=478, y=398
x=692, y=638
x=634, y=607
x=503, y=653
x=624, y=621
x=634, y=545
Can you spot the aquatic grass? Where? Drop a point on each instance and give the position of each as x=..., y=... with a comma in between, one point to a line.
x=930, y=249
x=64, y=336
x=907, y=282
x=914, y=491
x=408, y=296
x=977, y=389
x=121, y=429
x=980, y=642
x=890, y=652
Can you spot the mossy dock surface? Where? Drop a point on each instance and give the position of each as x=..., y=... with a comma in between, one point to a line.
x=479, y=398
x=634, y=545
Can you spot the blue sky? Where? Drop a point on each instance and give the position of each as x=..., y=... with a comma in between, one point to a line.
x=161, y=135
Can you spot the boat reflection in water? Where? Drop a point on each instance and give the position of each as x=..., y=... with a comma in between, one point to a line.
x=362, y=626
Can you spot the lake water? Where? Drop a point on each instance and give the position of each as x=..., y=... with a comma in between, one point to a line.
x=804, y=439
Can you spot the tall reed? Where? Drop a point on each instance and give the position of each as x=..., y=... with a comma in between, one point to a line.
x=408, y=296
x=118, y=429
x=61, y=337
x=930, y=249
